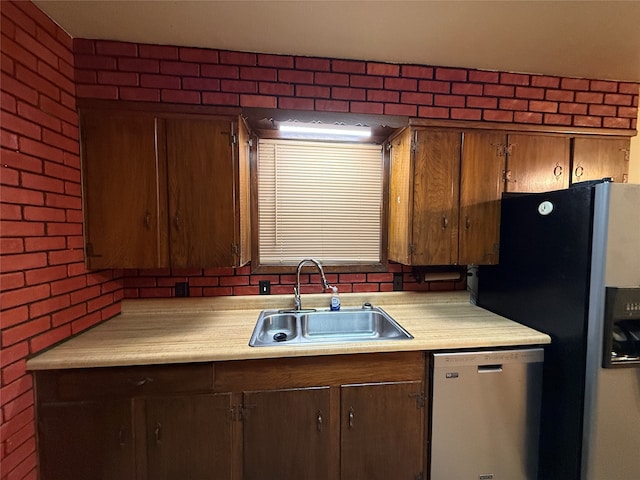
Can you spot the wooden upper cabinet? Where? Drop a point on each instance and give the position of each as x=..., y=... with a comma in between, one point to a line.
x=537, y=163
x=423, y=211
x=481, y=186
x=124, y=190
x=400, y=197
x=444, y=197
x=436, y=177
x=200, y=168
x=597, y=158
x=165, y=190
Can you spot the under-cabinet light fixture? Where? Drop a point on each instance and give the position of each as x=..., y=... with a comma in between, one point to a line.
x=347, y=131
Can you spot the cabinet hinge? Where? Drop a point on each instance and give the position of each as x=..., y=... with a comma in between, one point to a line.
x=412, y=248
x=421, y=400
x=88, y=250
x=233, y=138
x=235, y=249
x=502, y=150
x=508, y=149
x=236, y=413
x=250, y=142
x=626, y=153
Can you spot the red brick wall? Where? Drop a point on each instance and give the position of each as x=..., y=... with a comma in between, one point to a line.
x=46, y=294
x=154, y=73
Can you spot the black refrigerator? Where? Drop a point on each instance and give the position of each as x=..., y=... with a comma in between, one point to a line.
x=566, y=257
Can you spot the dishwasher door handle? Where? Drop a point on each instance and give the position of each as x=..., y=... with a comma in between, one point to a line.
x=496, y=368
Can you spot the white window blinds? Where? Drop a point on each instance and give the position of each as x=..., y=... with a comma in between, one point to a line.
x=320, y=200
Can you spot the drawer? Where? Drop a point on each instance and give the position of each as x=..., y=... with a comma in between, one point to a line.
x=124, y=381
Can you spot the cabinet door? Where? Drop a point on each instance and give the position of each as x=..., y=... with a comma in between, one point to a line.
x=481, y=186
x=382, y=429
x=288, y=434
x=189, y=437
x=400, y=198
x=201, y=171
x=596, y=158
x=435, y=197
x=537, y=163
x=123, y=183
x=81, y=440
x=243, y=205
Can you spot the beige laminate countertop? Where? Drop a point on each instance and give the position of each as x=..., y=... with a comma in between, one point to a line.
x=185, y=330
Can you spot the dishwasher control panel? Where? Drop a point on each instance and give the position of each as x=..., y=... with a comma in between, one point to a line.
x=492, y=357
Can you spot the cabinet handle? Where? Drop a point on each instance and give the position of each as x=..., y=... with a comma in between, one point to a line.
x=121, y=432
x=445, y=222
x=557, y=171
x=158, y=433
x=147, y=219
x=351, y=416
x=319, y=420
x=140, y=382
x=579, y=171
x=467, y=222
x=176, y=221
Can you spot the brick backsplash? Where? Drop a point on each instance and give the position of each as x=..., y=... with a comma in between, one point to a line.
x=152, y=73
x=239, y=281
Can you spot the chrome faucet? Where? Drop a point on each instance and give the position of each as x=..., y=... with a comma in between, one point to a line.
x=296, y=289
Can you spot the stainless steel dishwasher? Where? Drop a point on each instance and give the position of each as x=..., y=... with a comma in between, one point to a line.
x=485, y=415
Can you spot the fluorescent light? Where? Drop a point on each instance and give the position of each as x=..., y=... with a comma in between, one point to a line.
x=325, y=129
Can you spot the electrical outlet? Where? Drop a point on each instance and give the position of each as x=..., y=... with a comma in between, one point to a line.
x=397, y=282
x=265, y=287
x=182, y=289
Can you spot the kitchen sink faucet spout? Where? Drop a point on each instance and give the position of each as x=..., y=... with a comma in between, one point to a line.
x=296, y=289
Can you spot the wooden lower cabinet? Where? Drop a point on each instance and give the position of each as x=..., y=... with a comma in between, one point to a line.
x=330, y=417
x=288, y=434
x=382, y=431
x=81, y=440
x=189, y=437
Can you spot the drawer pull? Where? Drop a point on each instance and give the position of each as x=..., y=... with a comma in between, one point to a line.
x=319, y=420
x=351, y=417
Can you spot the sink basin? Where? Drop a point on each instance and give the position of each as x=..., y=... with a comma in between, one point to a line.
x=282, y=327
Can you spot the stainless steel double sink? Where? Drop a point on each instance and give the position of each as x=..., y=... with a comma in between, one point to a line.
x=287, y=327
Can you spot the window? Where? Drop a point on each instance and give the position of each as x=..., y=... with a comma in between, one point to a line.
x=321, y=200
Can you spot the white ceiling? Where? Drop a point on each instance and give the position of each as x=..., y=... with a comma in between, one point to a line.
x=589, y=39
